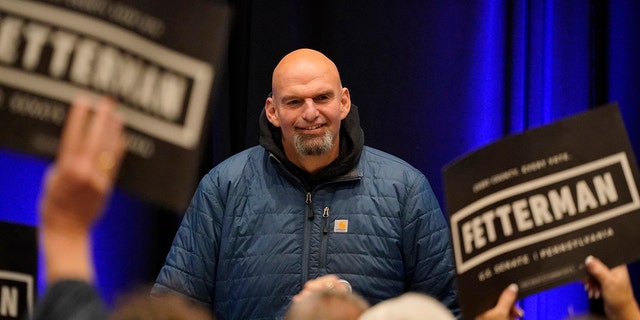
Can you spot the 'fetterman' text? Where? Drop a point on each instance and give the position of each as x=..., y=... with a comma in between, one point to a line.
x=541, y=209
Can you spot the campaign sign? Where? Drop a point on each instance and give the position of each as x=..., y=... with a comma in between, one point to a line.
x=18, y=270
x=158, y=58
x=530, y=208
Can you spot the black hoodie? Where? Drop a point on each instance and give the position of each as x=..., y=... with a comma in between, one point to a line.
x=351, y=144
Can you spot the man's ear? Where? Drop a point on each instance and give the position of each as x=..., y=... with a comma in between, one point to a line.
x=345, y=103
x=270, y=112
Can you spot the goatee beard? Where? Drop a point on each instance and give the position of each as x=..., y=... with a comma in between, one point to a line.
x=313, y=145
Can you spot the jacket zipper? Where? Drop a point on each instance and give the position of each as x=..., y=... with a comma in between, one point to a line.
x=309, y=209
x=306, y=238
x=325, y=238
x=325, y=216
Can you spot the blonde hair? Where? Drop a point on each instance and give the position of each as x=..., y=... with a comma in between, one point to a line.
x=409, y=306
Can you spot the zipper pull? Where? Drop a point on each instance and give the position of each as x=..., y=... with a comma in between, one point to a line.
x=325, y=216
x=309, y=210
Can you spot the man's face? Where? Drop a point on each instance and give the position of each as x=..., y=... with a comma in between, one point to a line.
x=310, y=118
x=308, y=104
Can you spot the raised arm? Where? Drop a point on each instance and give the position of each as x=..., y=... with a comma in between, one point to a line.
x=77, y=185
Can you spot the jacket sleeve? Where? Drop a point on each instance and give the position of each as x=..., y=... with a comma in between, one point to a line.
x=70, y=299
x=429, y=266
x=190, y=266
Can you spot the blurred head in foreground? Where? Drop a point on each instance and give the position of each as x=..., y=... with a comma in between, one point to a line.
x=328, y=305
x=409, y=306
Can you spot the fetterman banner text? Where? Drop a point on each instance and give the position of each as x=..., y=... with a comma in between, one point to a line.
x=158, y=58
x=530, y=208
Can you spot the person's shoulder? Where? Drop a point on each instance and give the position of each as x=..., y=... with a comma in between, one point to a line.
x=376, y=156
x=246, y=154
x=238, y=161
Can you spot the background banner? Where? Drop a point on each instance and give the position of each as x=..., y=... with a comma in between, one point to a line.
x=530, y=208
x=160, y=60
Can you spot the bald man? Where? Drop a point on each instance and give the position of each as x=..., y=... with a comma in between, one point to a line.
x=310, y=208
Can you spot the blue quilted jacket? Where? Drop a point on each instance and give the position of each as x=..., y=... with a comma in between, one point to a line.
x=253, y=235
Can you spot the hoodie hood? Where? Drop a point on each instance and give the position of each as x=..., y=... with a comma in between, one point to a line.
x=351, y=144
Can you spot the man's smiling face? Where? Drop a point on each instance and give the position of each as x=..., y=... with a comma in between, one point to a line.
x=308, y=104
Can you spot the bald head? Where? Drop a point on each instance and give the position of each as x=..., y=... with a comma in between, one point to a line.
x=302, y=66
x=308, y=104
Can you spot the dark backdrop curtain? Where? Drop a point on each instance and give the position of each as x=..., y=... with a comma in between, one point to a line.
x=433, y=80
x=437, y=79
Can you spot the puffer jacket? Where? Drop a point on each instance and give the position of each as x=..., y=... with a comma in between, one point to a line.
x=254, y=234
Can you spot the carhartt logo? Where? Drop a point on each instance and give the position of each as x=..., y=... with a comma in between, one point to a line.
x=341, y=226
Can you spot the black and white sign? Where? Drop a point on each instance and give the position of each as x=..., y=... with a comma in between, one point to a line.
x=18, y=270
x=530, y=208
x=159, y=59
